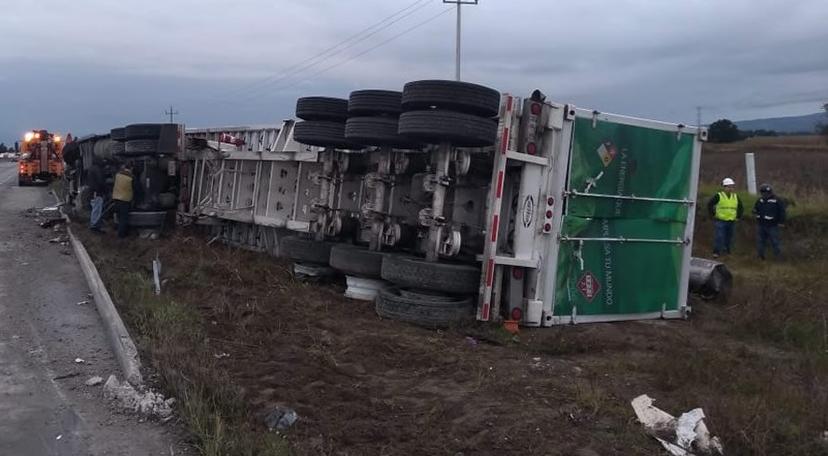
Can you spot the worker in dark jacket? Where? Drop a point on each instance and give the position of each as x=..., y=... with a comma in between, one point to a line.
x=725, y=207
x=122, y=194
x=770, y=215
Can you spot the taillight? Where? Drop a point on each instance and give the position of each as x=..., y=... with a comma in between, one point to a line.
x=517, y=273
x=516, y=313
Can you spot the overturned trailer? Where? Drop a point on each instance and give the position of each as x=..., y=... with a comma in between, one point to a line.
x=450, y=199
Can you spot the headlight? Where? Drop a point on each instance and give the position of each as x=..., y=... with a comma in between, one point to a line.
x=28, y=137
x=57, y=138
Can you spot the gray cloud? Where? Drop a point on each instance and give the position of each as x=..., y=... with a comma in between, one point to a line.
x=93, y=64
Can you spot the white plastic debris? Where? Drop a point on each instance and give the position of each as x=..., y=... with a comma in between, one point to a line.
x=79, y=361
x=147, y=403
x=94, y=381
x=691, y=434
x=281, y=418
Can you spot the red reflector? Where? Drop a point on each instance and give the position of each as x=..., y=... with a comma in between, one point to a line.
x=531, y=149
x=517, y=314
x=547, y=227
x=550, y=201
x=517, y=273
x=536, y=108
x=548, y=214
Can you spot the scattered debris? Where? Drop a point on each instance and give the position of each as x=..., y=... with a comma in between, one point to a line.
x=156, y=272
x=472, y=341
x=147, y=403
x=221, y=355
x=60, y=436
x=688, y=433
x=281, y=418
x=94, y=381
x=62, y=240
x=51, y=222
x=65, y=376
x=79, y=361
x=82, y=303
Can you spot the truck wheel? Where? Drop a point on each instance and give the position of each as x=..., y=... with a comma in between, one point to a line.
x=22, y=183
x=300, y=249
x=322, y=133
x=377, y=131
x=464, y=130
x=322, y=108
x=374, y=102
x=422, y=310
x=142, y=131
x=407, y=271
x=141, y=147
x=118, y=134
x=356, y=260
x=451, y=95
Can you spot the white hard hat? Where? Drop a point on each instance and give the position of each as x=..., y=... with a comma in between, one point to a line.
x=728, y=181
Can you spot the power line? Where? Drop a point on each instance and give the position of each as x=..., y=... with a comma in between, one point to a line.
x=383, y=43
x=348, y=43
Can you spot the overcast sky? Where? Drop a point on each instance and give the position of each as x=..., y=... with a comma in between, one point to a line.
x=85, y=66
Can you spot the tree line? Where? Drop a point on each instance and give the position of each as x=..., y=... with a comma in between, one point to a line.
x=725, y=131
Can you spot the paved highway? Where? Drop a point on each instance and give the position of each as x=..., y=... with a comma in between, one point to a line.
x=45, y=408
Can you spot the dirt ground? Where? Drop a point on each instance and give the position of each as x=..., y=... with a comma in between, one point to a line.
x=757, y=364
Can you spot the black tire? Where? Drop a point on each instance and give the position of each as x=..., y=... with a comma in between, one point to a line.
x=411, y=272
x=301, y=249
x=356, y=260
x=451, y=95
x=464, y=130
x=374, y=102
x=422, y=310
x=377, y=131
x=142, y=131
x=322, y=108
x=141, y=147
x=118, y=134
x=23, y=183
x=322, y=133
x=119, y=147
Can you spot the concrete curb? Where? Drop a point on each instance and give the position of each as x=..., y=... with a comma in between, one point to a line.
x=122, y=344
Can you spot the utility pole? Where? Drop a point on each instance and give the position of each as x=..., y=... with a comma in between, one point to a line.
x=171, y=113
x=459, y=3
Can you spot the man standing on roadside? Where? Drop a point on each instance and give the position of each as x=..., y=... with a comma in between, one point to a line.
x=726, y=208
x=122, y=192
x=770, y=215
x=95, y=182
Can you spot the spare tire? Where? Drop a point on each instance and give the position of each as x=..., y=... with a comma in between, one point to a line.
x=142, y=131
x=374, y=102
x=464, y=130
x=141, y=147
x=377, y=131
x=322, y=108
x=417, y=273
x=356, y=260
x=322, y=133
x=422, y=310
x=118, y=134
x=451, y=95
x=302, y=249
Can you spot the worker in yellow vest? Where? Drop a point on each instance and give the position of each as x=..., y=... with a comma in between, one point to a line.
x=122, y=193
x=725, y=208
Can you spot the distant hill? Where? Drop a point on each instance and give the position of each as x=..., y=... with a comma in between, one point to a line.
x=795, y=124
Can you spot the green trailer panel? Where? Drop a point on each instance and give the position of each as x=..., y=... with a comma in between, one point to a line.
x=620, y=254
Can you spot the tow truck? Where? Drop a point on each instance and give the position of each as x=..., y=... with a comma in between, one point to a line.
x=41, y=157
